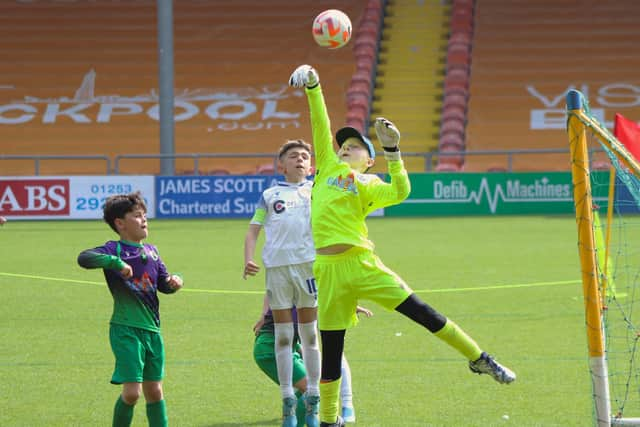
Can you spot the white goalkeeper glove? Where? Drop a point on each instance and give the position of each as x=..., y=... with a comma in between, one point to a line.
x=389, y=136
x=304, y=76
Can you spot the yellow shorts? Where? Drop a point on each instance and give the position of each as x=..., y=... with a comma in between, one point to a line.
x=348, y=277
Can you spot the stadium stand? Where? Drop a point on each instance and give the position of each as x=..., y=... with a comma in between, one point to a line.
x=456, y=87
x=526, y=55
x=82, y=78
x=410, y=73
x=365, y=49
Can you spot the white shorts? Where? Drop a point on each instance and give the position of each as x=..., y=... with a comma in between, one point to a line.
x=291, y=285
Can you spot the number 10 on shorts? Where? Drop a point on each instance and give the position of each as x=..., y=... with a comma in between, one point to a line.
x=311, y=286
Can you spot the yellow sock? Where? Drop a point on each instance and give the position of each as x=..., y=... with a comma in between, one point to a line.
x=329, y=400
x=458, y=339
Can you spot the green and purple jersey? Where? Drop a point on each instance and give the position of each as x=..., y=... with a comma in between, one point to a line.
x=135, y=300
x=342, y=197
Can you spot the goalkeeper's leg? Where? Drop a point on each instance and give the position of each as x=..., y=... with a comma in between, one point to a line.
x=332, y=348
x=445, y=329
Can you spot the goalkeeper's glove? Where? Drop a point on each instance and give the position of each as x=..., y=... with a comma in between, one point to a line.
x=304, y=75
x=389, y=136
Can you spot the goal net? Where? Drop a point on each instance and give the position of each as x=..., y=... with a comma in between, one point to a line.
x=607, y=216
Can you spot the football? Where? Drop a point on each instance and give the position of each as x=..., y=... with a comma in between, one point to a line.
x=331, y=29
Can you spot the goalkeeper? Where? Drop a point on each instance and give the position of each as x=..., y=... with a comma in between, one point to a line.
x=346, y=268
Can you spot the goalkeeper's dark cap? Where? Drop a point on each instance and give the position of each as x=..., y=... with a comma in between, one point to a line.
x=348, y=132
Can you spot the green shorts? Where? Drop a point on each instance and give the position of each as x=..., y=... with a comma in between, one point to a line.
x=139, y=354
x=265, y=356
x=344, y=279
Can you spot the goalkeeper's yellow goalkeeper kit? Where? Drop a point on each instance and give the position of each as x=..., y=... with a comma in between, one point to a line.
x=341, y=200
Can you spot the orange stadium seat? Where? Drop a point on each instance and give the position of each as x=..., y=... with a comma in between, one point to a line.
x=362, y=77
x=365, y=64
x=454, y=100
x=366, y=50
x=266, y=169
x=460, y=60
x=368, y=29
x=359, y=90
x=377, y=5
x=372, y=15
x=452, y=141
x=447, y=167
x=460, y=38
x=453, y=114
x=451, y=155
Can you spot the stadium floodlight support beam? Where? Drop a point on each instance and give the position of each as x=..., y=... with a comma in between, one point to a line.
x=587, y=251
x=166, y=71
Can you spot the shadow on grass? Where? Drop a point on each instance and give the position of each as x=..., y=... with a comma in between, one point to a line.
x=273, y=422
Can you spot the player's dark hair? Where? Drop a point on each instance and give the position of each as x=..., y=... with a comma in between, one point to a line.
x=118, y=205
x=294, y=143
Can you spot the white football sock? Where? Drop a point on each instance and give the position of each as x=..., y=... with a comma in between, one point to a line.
x=346, y=394
x=311, y=356
x=284, y=359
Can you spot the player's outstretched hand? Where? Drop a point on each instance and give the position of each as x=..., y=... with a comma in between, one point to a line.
x=250, y=269
x=389, y=136
x=304, y=76
x=175, y=282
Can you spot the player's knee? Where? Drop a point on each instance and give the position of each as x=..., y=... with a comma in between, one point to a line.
x=311, y=341
x=422, y=313
x=284, y=341
x=308, y=337
x=130, y=395
x=152, y=391
x=284, y=334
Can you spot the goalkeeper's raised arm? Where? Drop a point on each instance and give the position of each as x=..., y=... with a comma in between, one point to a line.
x=305, y=76
x=387, y=194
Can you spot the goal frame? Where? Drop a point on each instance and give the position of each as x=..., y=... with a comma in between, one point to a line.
x=578, y=122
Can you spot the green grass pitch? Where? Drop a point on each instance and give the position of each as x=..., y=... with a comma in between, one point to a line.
x=510, y=282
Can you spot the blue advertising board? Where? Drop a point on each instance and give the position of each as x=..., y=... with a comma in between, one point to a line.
x=625, y=202
x=210, y=196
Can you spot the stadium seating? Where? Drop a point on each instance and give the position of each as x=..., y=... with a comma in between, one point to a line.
x=526, y=55
x=409, y=82
x=82, y=78
x=456, y=87
x=365, y=47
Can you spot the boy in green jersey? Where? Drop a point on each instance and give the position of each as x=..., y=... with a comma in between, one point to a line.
x=346, y=268
x=265, y=357
x=134, y=273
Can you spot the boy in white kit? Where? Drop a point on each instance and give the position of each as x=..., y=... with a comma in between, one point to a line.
x=284, y=211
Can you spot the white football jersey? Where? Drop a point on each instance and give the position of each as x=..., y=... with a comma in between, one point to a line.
x=287, y=224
